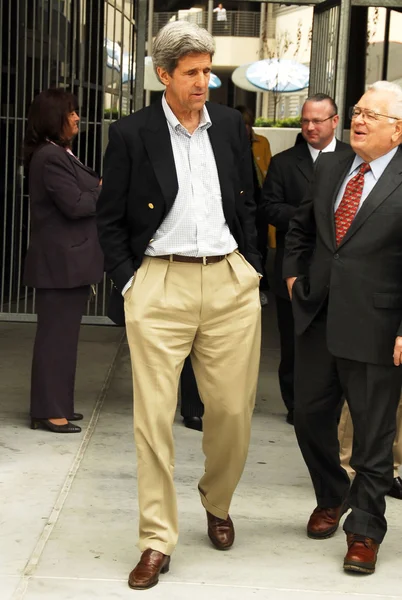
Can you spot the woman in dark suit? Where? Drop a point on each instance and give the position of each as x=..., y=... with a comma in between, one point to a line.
x=64, y=257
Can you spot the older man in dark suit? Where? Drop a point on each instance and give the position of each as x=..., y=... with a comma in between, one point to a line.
x=343, y=267
x=177, y=226
x=288, y=177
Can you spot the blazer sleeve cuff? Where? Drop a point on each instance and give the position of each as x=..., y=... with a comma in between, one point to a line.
x=255, y=261
x=290, y=269
x=122, y=274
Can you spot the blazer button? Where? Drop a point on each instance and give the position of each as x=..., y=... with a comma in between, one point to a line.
x=150, y=205
x=336, y=256
x=241, y=191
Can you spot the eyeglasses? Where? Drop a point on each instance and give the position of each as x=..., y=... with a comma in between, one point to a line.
x=367, y=114
x=315, y=122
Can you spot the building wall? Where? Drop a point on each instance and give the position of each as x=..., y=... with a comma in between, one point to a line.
x=233, y=51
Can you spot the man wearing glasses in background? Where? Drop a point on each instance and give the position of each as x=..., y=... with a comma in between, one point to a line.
x=286, y=183
x=343, y=265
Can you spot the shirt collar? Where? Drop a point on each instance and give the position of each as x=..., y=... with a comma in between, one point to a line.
x=377, y=166
x=330, y=148
x=174, y=122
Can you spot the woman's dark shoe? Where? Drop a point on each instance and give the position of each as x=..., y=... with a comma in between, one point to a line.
x=46, y=424
x=76, y=417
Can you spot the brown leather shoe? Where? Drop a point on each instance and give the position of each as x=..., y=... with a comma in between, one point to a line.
x=361, y=555
x=325, y=521
x=220, y=532
x=146, y=574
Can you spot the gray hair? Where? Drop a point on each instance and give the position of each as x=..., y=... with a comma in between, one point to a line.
x=395, y=103
x=178, y=39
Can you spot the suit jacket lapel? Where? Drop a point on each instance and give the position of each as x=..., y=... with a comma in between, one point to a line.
x=221, y=151
x=334, y=182
x=156, y=137
x=305, y=162
x=388, y=182
x=78, y=163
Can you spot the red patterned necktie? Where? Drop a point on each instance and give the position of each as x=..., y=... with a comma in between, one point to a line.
x=349, y=204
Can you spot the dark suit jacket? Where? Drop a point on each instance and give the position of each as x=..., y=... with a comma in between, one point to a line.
x=286, y=183
x=140, y=186
x=362, y=277
x=64, y=251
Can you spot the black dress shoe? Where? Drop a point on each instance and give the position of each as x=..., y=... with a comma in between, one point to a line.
x=193, y=423
x=76, y=417
x=396, y=489
x=46, y=424
x=289, y=418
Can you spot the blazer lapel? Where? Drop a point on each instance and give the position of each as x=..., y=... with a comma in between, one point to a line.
x=78, y=163
x=158, y=145
x=334, y=182
x=388, y=182
x=222, y=150
x=305, y=162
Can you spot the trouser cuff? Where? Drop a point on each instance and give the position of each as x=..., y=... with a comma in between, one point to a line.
x=214, y=510
x=158, y=545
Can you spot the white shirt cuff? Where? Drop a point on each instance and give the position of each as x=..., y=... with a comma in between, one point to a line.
x=127, y=286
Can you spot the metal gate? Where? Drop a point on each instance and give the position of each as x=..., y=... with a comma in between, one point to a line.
x=329, y=50
x=87, y=47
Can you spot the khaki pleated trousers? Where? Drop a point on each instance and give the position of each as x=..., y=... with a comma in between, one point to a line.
x=212, y=311
x=345, y=436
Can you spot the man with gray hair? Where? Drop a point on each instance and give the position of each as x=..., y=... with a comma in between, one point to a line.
x=343, y=265
x=176, y=223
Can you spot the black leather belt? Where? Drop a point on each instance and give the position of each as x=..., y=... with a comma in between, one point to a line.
x=205, y=260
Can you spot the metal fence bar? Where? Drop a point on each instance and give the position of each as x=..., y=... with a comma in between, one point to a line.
x=100, y=35
x=89, y=63
x=50, y=43
x=7, y=139
x=141, y=16
x=3, y=275
x=23, y=200
x=342, y=61
x=324, y=49
x=41, y=63
x=58, y=48
x=66, y=44
x=18, y=171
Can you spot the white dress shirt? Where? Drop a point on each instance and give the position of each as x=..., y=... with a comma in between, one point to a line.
x=315, y=153
x=377, y=168
x=195, y=225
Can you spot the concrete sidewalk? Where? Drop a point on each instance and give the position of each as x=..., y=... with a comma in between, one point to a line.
x=68, y=511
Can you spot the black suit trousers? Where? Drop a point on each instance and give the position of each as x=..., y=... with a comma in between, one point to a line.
x=373, y=393
x=286, y=328
x=55, y=351
x=191, y=404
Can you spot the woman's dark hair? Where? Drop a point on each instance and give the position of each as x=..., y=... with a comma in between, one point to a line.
x=47, y=117
x=247, y=114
